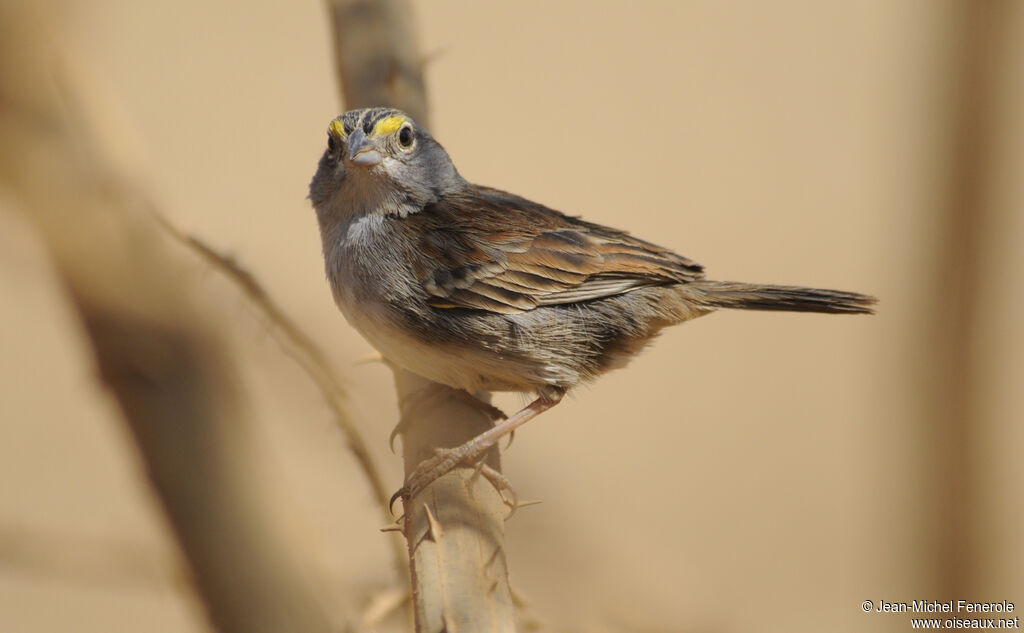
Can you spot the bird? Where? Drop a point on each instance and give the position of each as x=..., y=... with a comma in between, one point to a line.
x=483, y=290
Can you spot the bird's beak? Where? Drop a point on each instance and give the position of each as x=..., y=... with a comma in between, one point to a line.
x=361, y=150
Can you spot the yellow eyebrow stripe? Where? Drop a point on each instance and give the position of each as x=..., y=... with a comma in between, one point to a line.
x=389, y=125
x=337, y=128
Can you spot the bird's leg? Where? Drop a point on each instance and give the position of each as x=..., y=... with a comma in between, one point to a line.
x=488, y=409
x=447, y=459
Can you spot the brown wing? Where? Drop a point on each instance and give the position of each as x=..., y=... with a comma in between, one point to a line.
x=486, y=249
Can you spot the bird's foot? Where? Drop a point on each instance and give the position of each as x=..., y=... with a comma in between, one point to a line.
x=445, y=459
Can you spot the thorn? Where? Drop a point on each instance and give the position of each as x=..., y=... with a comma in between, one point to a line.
x=396, y=526
x=447, y=623
x=493, y=558
x=511, y=436
x=382, y=604
x=369, y=358
x=432, y=56
x=478, y=469
x=435, y=527
x=518, y=598
x=520, y=504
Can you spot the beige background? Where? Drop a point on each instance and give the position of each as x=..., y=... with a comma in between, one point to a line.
x=760, y=472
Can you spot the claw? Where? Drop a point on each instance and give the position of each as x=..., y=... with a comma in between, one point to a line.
x=403, y=494
x=394, y=433
x=501, y=484
x=511, y=436
x=444, y=460
x=403, y=422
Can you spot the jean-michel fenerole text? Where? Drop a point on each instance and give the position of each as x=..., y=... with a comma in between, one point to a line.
x=951, y=606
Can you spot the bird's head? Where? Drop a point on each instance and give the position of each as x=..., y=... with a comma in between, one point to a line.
x=379, y=160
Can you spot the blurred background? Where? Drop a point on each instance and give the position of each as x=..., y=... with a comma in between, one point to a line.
x=750, y=471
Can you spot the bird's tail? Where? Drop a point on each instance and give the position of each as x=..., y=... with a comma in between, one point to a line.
x=741, y=296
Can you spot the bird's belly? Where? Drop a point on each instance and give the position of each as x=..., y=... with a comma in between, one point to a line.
x=458, y=366
x=471, y=352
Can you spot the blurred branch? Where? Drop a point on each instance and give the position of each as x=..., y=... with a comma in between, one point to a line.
x=377, y=56
x=90, y=561
x=979, y=36
x=156, y=352
x=454, y=528
x=106, y=564
x=308, y=355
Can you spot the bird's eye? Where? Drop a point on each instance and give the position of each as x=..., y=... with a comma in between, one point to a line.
x=332, y=144
x=405, y=136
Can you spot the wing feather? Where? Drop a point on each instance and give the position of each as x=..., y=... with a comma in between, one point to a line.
x=485, y=249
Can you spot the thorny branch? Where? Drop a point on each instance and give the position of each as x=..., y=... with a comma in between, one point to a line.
x=455, y=527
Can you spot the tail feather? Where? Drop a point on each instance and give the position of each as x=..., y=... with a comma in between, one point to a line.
x=742, y=296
